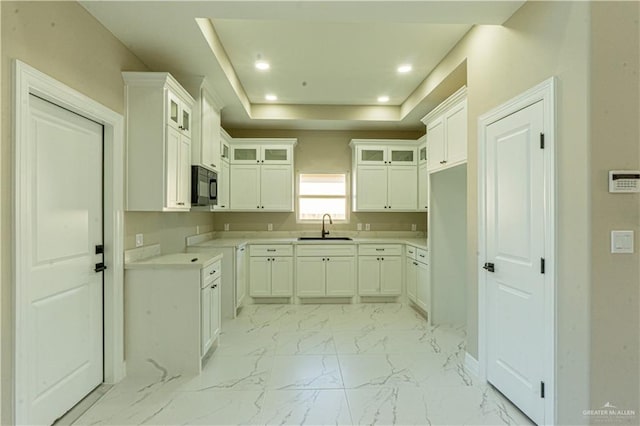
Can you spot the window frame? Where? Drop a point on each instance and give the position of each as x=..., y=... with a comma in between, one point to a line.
x=347, y=196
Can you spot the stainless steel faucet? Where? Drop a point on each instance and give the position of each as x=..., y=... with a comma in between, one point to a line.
x=324, y=232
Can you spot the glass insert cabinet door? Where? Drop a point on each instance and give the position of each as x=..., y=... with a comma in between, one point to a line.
x=422, y=154
x=245, y=154
x=372, y=155
x=275, y=154
x=403, y=156
x=174, y=111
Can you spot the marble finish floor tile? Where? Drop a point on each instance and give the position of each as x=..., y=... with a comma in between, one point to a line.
x=306, y=372
x=372, y=363
x=306, y=407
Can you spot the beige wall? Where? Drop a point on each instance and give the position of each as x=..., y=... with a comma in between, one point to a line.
x=615, y=144
x=167, y=229
x=541, y=40
x=321, y=151
x=65, y=42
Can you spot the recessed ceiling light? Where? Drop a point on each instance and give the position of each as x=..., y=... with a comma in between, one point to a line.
x=404, y=68
x=262, y=65
x=271, y=97
x=383, y=99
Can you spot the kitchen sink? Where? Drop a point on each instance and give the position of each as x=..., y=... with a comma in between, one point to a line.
x=324, y=239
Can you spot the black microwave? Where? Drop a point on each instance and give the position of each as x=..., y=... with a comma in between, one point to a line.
x=204, y=187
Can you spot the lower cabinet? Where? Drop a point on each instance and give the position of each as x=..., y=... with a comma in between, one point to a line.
x=325, y=270
x=172, y=314
x=210, y=317
x=271, y=271
x=380, y=270
x=417, y=279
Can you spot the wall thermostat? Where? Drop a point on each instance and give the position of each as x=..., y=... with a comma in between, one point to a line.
x=624, y=181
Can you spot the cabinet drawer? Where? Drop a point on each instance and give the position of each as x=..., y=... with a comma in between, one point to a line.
x=271, y=250
x=378, y=249
x=326, y=250
x=421, y=255
x=410, y=252
x=211, y=272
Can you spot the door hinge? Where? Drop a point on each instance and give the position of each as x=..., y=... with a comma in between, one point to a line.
x=542, y=265
x=99, y=249
x=541, y=140
x=541, y=389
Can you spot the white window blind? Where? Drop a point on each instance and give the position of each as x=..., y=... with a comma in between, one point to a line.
x=320, y=193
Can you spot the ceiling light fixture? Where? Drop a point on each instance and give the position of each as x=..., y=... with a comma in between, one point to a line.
x=403, y=69
x=383, y=99
x=271, y=97
x=262, y=65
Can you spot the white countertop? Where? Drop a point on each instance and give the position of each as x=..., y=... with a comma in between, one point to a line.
x=176, y=261
x=239, y=242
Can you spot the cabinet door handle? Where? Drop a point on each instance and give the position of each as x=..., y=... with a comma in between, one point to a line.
x=262, y=207
x=421, y=255
x=212, y=272
x=213, y=165
x=180, y=204
x=257, y=207
x=377, y=258
x=214, y=286
x=271, y=249
x=415, y=263
x=379, y=249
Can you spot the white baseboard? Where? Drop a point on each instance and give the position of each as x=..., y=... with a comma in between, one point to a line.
x=471, y=364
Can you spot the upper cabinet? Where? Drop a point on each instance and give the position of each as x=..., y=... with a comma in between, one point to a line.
x=423, y=178
x=262, y=151
x=447, y=133
x=385, y=175
x=205, y=147
x=224, y=176
x=261, y=174
x=158, y=132
x=383, y=154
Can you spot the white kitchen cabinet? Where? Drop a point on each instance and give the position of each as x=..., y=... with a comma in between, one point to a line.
x=206, y=125
x=172, y=314
x=158, y=133
x=447, y=132
x=418, y=279
x=423, y=178
x=376, y=152
x=386, y=176
x=258, y=187
x=241, y=277
x=423, y=187
x=261, y=175
x=386, y=188
x=262, y=151
x=380, y=270
x=224, y=176
x=325, y=270
x=271, y=271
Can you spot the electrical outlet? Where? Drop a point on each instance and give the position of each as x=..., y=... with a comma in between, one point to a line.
x=139, y=240
x=414, y=227
x=226, y=226
x=359, y=227
x=269, y=226
x=197, y=229
x=367, y=227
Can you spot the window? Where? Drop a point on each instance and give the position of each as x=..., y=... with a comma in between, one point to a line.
x=320, y=193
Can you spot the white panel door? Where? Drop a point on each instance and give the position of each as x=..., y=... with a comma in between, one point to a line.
x=402, y=188
x=515, y=244
x=435, y=145
x=371, y=188
x=310, y=276
x=173, y=167
x=341, y=276
x=411, y=272
x=456, y=133
x=63, y=320
x=276, y=188
x=282, y=276
x=391, y=275
x=260, y=276
x=245, y=187
x=368, y=275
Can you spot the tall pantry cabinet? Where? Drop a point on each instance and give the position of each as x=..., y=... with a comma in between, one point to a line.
x=158, y=135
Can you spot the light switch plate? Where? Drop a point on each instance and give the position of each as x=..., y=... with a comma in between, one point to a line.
x=367, y=227
x=359, y=227
x=621, y=241
x=226, y=226
x=139, y=240
x=269, y=226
